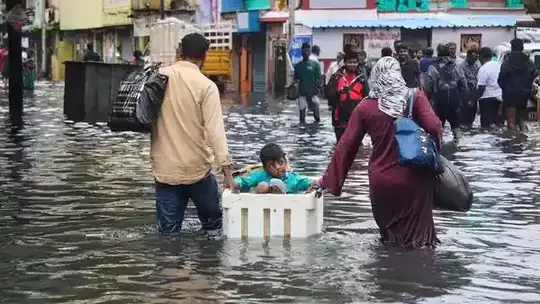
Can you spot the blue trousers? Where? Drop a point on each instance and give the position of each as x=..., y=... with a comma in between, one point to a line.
x=171, y=203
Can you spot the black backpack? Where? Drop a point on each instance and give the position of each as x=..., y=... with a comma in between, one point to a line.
x=138, y=101
x=447, y=80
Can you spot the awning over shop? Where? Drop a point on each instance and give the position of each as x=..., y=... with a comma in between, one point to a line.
x=301, y=15
x=413, y=23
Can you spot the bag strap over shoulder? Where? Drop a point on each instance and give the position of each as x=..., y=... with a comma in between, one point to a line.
x=410, y=103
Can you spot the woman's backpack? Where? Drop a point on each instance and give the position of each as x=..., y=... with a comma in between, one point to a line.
x=138, y=101
x=415, y=146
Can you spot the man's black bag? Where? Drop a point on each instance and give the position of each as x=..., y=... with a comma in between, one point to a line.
x=452, y=191
x=138, y=101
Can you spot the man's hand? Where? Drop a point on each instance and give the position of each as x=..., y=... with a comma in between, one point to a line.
x=228, y=183
x=228, y=180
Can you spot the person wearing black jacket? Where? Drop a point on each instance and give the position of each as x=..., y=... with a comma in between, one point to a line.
x=516, y=80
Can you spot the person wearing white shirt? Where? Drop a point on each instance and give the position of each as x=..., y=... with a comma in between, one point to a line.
x=315, y=53
x=334, y=67
x=488, y=89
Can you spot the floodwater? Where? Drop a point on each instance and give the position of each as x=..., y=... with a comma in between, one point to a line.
x=77, y=223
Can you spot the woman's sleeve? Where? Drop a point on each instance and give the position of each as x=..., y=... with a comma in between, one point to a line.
x=426, y=117
x=345, y=152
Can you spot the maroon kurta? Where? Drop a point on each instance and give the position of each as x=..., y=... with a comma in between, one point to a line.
x=401, y=197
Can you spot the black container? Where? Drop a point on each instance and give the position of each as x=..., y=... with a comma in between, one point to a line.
x=90, y=88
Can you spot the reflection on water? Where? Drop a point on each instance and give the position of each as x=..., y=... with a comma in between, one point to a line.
x=77, y=214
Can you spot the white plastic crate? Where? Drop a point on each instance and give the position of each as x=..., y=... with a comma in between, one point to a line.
x=247, y=215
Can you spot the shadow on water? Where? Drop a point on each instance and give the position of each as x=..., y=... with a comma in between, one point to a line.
x=77, y=221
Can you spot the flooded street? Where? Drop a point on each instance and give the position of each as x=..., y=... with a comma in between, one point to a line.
x=77, y=222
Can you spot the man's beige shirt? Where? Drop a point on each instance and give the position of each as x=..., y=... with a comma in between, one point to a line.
x=189, y=128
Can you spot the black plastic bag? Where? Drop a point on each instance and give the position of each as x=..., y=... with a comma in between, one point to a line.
x=452, y=191
x=138, y=101
x=292, y=92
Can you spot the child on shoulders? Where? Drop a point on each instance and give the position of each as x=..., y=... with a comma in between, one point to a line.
x=274, y=177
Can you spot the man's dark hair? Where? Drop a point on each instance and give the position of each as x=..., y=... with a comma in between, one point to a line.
x=401, y=46
x=485, y=53
x=386, y=52
x=271, y=152
x=316, y=50
x=472, y=51
x=137, y=54
x=305, y=45
x=348, y=48
x=350, y=55
x=443, y=50
x=90, y=46
x=428, y=52
x=516, y=45
x=194, y=46
x=396, y=43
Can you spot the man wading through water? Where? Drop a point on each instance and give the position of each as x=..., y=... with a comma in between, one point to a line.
x=410, y=71
x=445, y=85
x=469, y=105
x=189, y=128
x=516, y=81
x=307, y=76
x=345, y=91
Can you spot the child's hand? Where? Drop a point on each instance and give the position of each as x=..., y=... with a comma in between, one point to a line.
x=316, y=184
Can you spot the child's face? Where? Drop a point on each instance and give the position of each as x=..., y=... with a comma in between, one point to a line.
x=276, y=168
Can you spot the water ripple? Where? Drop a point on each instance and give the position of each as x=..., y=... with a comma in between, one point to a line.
x=77, y=214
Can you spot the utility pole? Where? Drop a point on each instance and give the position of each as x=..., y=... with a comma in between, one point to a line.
x=43, y=38
x=162, y=9
x=14, y=9
x=290, y=34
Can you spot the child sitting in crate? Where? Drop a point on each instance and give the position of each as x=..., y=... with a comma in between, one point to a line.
x=274, y=176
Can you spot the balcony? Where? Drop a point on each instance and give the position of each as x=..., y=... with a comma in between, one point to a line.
x=168, y=5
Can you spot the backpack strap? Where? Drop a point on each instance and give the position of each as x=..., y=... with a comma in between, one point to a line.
x=410, y=102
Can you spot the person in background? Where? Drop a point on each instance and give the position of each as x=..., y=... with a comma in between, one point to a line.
x=350, y=88
x=307, y=76
x=187, y=140
x=516, y=81
x=445, y=85
x=90, y=54
x=469, y=105
x=274, y=177
x=418, y=55
x=29, y=71
x=315, y=52
x=362, y=64
x=3, y=56
x=397, y=46
x=427, y=60
x=452, y=47
x=137, y=58
x=334, y=67
x=409, y=67
x=386, y=52
x=488, y=91
x=402, y=197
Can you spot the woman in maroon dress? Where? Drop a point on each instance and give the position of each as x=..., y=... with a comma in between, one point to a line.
x=401, y=196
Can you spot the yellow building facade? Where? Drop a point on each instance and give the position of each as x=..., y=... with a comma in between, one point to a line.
x=105, y=23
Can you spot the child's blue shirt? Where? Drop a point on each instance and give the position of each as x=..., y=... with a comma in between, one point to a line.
x=295, y=182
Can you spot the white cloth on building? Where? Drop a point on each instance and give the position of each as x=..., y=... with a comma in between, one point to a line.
x=488, y=74
x=316, y=59
x=332, y=69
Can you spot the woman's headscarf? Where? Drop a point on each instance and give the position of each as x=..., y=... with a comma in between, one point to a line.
x=388, y=87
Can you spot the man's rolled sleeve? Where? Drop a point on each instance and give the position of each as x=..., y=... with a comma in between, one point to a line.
x=215, y=128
